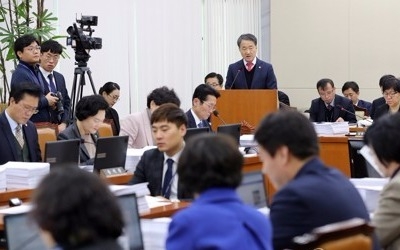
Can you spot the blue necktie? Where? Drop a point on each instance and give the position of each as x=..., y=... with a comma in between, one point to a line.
x=166, y=190
x=52, y=85
x=202, y=124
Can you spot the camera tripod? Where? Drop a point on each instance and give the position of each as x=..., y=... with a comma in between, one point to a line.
x=76, y=93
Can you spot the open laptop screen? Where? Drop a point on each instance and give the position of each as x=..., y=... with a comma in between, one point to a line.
x=232, y=130
x=110, y=152
x=190, y=132
x=63, y=153
x=252, y=189
x=22, y=233
x=132, y=230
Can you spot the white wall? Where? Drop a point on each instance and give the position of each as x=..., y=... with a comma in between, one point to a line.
x=344, y=40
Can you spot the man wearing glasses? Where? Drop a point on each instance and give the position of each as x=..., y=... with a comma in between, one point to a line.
x=204, y=102
x=18, y=135
x=330, y=107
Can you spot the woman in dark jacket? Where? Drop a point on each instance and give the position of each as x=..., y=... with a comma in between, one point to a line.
x=110, y=92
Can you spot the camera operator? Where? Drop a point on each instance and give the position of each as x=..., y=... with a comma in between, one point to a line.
x=55, y=90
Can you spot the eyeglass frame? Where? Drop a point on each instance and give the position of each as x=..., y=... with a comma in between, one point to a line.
x=212, y=107
x=115, y=98
x=391, y=94
x=31, y=48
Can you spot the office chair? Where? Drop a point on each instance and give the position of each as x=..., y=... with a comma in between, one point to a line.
x=45, y=134
x=105, y=130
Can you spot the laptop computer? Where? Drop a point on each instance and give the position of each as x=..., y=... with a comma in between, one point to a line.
x=190, y=132
x=232, y=130
x=132, y=238
x=110, y=152
x=63, y=153
x=22, y=233
x=252, y=190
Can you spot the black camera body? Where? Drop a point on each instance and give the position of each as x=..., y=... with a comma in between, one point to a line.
x=81, y=42
x=59, y=104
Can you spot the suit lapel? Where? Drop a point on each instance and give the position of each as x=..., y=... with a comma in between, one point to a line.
x=82, y=145
x=158, y=171
x=7, y=131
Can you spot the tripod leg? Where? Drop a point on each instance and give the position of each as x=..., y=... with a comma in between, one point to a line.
x=89, y=73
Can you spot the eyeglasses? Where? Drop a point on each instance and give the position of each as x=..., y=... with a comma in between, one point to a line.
x=114, y=97
x=49, y=56
x=391, y=94
x=210, y=106
x=29, y=109
x=213, y=84
x=32, y=48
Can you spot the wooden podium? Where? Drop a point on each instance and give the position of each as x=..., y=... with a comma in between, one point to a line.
x=237, y=105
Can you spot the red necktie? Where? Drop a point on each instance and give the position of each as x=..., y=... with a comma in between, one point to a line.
x=249, y=66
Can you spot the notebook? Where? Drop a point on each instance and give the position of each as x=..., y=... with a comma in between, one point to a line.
x=22, y=233
x=252, y=190
x=110, y=152
x=132, y=237
x=190, y=132
x=232, y=130
x=63, y=153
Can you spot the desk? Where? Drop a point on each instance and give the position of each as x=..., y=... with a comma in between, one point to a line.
x=334, y=151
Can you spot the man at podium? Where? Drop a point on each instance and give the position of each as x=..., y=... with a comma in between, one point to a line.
x=250, y=72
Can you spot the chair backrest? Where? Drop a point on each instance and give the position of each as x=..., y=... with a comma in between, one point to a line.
x=360, y=112
x=105, y=130
x=45, y=135
x=47, y=125
x=355, y=233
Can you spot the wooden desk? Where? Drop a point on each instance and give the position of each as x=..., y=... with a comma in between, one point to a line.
x=164, y=211
x=334, y=152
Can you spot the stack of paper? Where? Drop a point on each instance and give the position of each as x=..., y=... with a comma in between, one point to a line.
x=331, y=128
x=25, y=174
x=3, y=179
x=141, y=190
x=247, y=141
x=133, y=156
x=370, y=190
x=155, y=232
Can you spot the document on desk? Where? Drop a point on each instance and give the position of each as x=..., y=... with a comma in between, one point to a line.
x=17, y=209
x=331, y=128
x=140, y=189
x=367, y=153
x=156, y=201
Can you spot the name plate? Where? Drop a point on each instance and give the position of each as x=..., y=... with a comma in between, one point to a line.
x=108, y=172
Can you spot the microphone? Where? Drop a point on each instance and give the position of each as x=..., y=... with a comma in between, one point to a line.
x=216, y=113
x=345, y=110
x=234, y=79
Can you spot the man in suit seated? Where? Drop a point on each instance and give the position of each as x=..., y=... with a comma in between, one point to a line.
x=18, y=135
x=381, y=100
x=309, y=194
x=158, y=166
x=137, y=125
x=204, y=101
x=250, y=72
x=215, y=80
x=351, y=90
x=330, y=107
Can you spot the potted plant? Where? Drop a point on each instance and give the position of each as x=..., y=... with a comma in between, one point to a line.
x=18, y=17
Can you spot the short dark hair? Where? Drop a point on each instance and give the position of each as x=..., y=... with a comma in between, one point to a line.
x=351, y=85
x=90, y=106
x=391, y=83
x=51, y=46
x=18, y=90
x=203, y=90
x=248, y=37
x=108, y=87
x=171, y=113
x=384, y=78
x=163, y=95
x=321, y=84
x=288, y=128
x=212, y=75
x=210, y=160
x=77, y=208
x=383, y=137
x=22, y=42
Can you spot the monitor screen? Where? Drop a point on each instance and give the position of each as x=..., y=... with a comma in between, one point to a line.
x=252, y=189
x=110, y=152
x=132, y=230
x=232, y=130
x=22, y=233
x=55, y=153
x=190, y=132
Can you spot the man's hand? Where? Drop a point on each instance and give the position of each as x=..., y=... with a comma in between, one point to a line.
x=61, y=127
x=52, y=100
x=340, y=119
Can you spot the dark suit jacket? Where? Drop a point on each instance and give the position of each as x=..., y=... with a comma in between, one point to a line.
x=375, y=105
x=192, y=121
x=365, y=104
x=8, y=151
x=264, y=76
x=72, y=132
x=112, y=114
x=381, y=111
x=318, y=108
x=46, y=114
x=317, y=196
x=150, y=169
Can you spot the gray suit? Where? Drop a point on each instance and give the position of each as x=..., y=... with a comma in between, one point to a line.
x=387, y=217
x=72, y=132
x=150, y=169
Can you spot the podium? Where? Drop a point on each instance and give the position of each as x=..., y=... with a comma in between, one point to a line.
x=237, y=105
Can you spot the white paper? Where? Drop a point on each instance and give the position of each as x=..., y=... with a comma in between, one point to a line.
x=367, y=153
